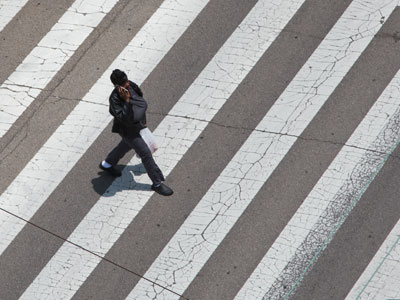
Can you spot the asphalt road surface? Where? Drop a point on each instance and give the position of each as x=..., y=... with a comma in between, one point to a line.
x=278, y=124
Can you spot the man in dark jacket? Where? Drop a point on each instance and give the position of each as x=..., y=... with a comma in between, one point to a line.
x=129, y=111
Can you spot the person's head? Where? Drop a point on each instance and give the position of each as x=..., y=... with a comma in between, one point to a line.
x=119, y=77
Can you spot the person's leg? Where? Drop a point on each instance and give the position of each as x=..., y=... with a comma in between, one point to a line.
x=117, y=153
x=113, y=157
x=140, y=146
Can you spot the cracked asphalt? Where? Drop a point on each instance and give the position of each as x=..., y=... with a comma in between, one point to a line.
x=278, y=125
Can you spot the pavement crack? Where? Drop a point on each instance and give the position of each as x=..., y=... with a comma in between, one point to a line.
x=96, y=33
x=103, y=258
x=276, y=133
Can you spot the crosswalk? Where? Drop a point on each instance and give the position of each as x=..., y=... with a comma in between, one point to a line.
x=113, y=250
x=47, y=58
x=50, y=165
x=331, y=199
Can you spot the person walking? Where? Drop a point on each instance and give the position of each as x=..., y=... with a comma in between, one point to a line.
x=128, y=108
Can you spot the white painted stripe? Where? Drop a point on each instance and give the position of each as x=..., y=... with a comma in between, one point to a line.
x=381, y=279
x=8, y=10
x=328, y=204
x=107, y=220
x=48, y=57
x=218, y=210
x=330, y=201
x=69, y=142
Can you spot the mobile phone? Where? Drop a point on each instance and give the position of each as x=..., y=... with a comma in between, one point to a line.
x=124, y=89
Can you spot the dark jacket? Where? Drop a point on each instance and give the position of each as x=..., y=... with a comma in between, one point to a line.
x=129, y=118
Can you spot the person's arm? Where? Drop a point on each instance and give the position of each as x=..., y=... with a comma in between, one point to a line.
x=121, y=109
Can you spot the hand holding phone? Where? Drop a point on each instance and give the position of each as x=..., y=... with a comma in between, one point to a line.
x=123, y=93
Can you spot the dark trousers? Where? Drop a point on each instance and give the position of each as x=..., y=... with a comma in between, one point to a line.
x=136, y=143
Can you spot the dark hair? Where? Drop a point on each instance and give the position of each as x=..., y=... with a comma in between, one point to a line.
x=118, y=77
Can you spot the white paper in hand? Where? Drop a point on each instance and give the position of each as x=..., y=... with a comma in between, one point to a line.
x=149, y=139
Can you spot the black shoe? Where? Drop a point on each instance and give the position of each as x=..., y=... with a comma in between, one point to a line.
x=111, y=170
x=162, y=190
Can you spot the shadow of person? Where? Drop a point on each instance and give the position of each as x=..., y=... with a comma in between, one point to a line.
x=107, y=186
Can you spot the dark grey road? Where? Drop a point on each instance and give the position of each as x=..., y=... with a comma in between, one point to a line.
x=331, y=274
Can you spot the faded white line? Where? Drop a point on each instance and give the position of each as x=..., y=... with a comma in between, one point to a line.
x=48, y=57
x=69, y=142
x=333, y=197
x=381, y=279
x=107, y=220
x=329, y=203
x=8, y=10
x=218, y=210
